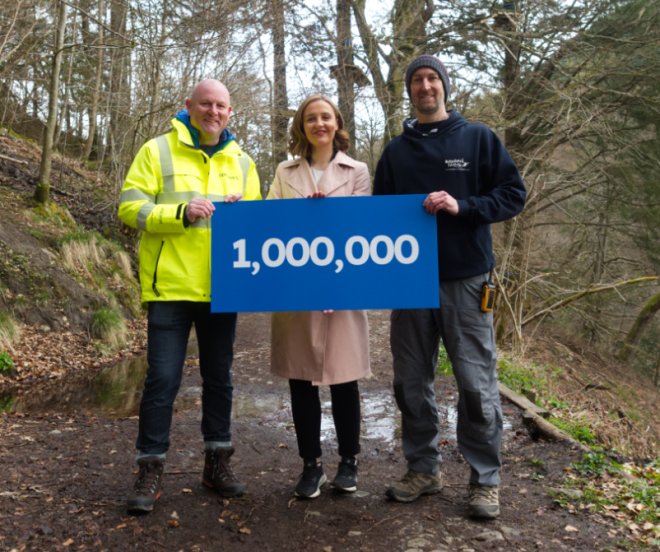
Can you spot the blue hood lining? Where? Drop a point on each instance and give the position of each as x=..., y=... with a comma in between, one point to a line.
x=225, y=137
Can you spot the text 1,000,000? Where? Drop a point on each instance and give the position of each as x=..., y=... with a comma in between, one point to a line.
x=306, y=251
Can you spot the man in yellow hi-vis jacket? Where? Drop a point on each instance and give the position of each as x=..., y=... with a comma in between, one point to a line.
x=168, y=194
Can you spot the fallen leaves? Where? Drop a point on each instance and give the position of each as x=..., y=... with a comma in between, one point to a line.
x=244, y=530
x=47, y=355
x=67, y=542
x=172, y=523
x=635, y=507
x=571, y=529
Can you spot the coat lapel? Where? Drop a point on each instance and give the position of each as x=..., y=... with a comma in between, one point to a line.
x=299, y=179
x=338, y=173
x=334, y=177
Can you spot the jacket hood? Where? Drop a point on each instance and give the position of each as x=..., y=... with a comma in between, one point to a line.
x=454, y=122
x=193, y=138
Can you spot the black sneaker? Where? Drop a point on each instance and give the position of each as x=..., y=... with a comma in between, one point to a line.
x=147, y=486
x=311, y=480
x=346, y=478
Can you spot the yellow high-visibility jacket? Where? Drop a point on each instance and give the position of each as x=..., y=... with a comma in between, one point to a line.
x=168, y=172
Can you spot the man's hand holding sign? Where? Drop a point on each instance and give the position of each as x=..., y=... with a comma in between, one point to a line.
x=440, y=201
x=200, y=207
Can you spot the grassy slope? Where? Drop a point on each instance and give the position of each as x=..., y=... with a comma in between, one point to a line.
x=65, y=267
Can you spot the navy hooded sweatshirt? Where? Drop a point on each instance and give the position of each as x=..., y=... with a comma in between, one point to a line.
x=470, y=163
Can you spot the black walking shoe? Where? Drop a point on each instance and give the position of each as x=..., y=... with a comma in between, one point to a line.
x=147, y=486
x=346, y=478
x=311, y=480
x=218, y=474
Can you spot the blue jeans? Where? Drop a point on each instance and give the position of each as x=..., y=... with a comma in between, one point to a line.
x=169, y=325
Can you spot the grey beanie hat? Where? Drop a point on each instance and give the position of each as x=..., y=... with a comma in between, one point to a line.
x=431, y=62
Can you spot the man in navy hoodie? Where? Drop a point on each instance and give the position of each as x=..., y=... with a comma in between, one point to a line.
x=471, y=182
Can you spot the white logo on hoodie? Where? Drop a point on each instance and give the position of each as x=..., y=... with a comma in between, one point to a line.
x=457, y=165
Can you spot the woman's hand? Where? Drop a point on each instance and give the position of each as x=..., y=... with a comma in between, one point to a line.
x=233, y=197
x=317, y=194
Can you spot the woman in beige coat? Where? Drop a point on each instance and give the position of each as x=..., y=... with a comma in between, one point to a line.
x=321, y=348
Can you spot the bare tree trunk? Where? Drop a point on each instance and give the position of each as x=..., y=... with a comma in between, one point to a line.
x=627, y=351
x=35, y=100
x=409, y=39
x=345, y=88
x=513, y=254
x=280, y=99
x=119, y=83
x=67, y=88
x=506, y=22
x=97, y=87
x=42, y=193
x=155, y=96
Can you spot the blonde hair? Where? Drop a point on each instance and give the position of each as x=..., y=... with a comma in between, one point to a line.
x=299, y=146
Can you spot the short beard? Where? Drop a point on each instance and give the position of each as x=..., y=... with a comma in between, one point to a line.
x=430, y=109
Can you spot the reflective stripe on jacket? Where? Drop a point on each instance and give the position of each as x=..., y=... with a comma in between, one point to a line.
x=166, y=174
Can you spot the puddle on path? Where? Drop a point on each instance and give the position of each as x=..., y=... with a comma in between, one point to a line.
x=381, y=420
x=115, y=392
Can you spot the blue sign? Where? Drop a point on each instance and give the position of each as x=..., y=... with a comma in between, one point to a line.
x=339, y=253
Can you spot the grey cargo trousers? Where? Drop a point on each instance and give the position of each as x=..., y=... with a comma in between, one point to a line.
x=469, y=339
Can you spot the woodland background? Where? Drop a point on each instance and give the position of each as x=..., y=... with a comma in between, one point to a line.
x=571, y=87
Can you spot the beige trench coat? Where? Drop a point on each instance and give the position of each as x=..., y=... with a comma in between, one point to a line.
x=325, y=349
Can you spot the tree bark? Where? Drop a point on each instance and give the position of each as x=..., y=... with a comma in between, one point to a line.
x=513, y=253
x=42, y=193
x=280, y=99
x=97, y=87
x=65, y=112
x=158, y=73
x=629, y=345
x=345, y=82
x=119, y=83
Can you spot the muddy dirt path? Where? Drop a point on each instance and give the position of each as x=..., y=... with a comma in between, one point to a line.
x=66, y=467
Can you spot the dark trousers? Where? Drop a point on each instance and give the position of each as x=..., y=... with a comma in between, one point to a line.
x=306, y=410
x=169, y=325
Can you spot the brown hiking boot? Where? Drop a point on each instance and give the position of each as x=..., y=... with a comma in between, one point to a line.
x=483, y=502
x=415, y=484
x=218, y=473
x=147, y=486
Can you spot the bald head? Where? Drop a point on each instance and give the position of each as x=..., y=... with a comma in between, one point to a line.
x=209, y=86
x=209, y=108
